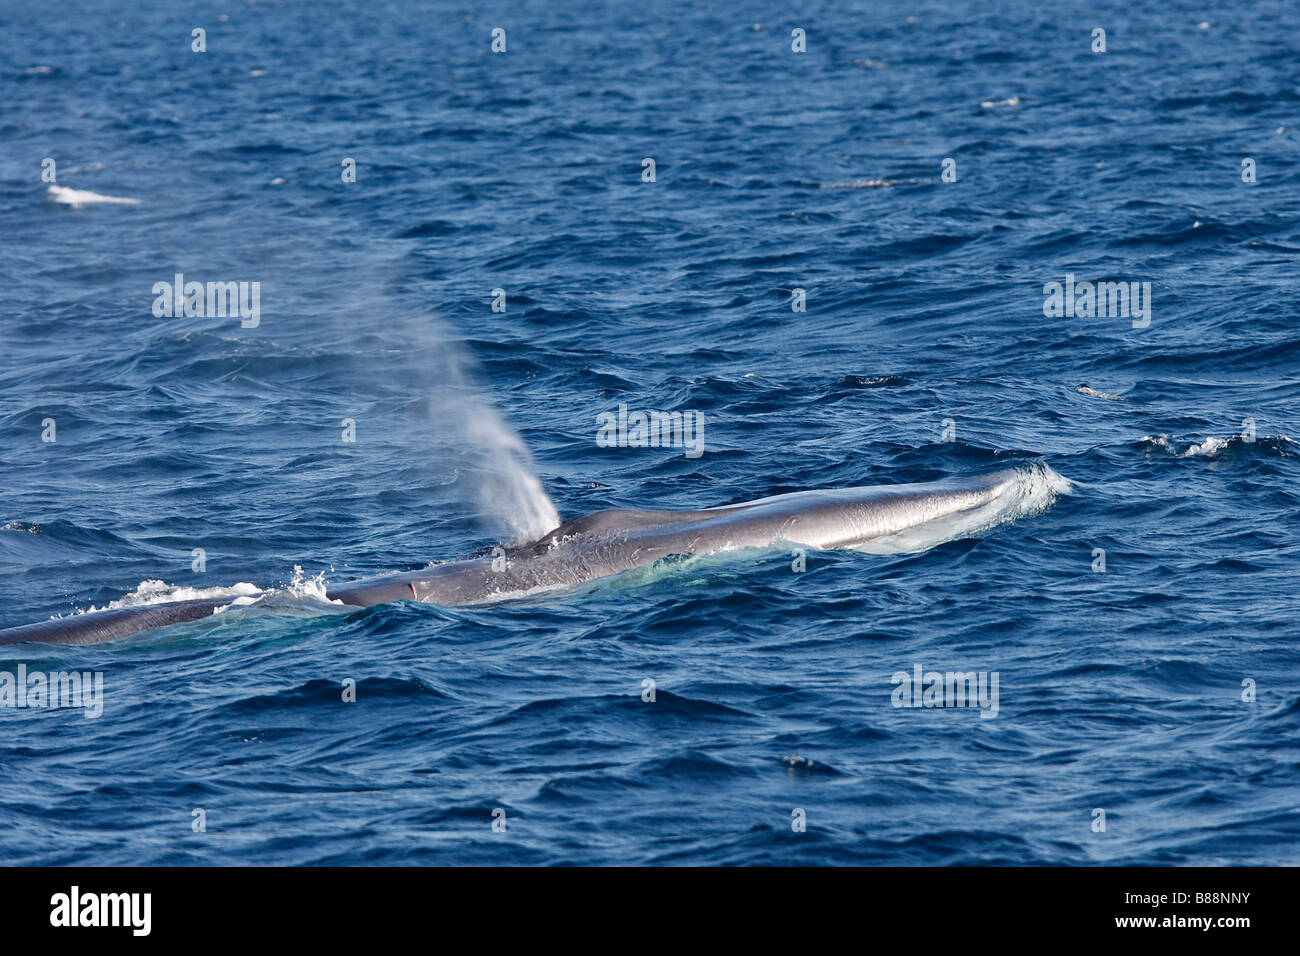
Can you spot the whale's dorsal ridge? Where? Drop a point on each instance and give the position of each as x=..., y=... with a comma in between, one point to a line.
x=620, y=519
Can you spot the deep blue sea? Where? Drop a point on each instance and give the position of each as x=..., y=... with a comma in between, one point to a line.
x=1161, y=687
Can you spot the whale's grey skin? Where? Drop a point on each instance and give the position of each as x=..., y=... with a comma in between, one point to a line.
x=98, y=626
x=600, y=544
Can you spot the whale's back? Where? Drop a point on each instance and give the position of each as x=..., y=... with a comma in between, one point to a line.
x=884, y=518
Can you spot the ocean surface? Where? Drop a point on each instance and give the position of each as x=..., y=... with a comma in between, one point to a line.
x=1142, y=628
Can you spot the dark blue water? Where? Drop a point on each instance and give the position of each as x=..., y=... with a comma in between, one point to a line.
x=1120, y=690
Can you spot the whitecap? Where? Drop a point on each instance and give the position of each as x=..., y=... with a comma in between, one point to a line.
x=1085, y=390
x=84, y=197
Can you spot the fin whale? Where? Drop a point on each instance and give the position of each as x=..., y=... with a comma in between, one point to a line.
x=609, y=542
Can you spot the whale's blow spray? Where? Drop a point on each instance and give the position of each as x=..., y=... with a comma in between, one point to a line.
x=504, y=482
x=470, y=440
x=497, y=467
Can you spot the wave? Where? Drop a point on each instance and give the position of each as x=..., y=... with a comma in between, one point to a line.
x=302, y=593
x=84, y=197
x=873, y=183
x=1213, y=446
x=1094, y=393
x=154, y=591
